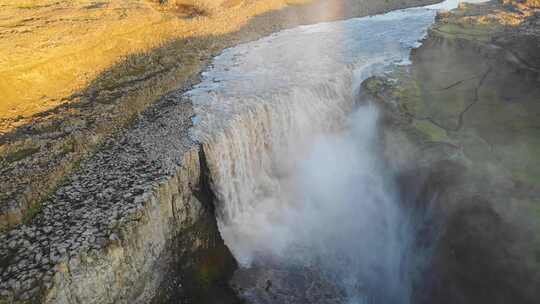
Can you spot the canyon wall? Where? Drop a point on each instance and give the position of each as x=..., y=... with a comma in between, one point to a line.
x=461, y=125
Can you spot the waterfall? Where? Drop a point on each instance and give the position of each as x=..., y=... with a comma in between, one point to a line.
x=294, y=160
x=252, y=176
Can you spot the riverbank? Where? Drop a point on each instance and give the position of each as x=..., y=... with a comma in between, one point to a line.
x=461, y=123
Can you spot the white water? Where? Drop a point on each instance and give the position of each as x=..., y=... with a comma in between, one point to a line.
x=294, y=164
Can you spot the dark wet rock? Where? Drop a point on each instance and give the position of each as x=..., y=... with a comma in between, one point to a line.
x=475, y=261
x=286, y=284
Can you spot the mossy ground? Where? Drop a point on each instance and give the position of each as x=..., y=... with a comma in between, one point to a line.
x=456, y=92
x=431, y=132
x=481, y=110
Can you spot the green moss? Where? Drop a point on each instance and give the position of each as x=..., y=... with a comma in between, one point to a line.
x=408, y=95
x=21, y=154
x=526, y=176
x=31, y=212
x=374, y=85
x=68, y=146
x=520, y=154
x=470, y=32
x=7, y=301
x=431, y=131
x=50, y=127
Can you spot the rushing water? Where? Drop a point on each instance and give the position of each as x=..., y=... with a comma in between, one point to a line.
x=294, y=161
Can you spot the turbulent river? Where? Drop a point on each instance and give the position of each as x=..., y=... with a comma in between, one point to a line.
x=293, y=157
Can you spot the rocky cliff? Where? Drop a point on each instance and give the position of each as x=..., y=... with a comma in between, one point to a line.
x=462, y=125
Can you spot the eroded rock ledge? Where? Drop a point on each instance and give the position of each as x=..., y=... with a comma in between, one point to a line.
x=102, y=232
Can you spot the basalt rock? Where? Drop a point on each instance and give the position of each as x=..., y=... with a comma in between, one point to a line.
x=109, y=233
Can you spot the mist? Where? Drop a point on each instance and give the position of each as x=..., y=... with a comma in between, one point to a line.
x=337, y=211
x=296, y=163
x=349, y=219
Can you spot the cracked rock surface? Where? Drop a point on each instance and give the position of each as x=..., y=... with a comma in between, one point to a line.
x=110, y=190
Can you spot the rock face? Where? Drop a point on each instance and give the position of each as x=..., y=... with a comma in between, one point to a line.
x=285, y=284
x=107, y=235
x=462, y=125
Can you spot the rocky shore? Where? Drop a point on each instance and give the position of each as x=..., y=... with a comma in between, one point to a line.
x=133, y=215
x=461, y=124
